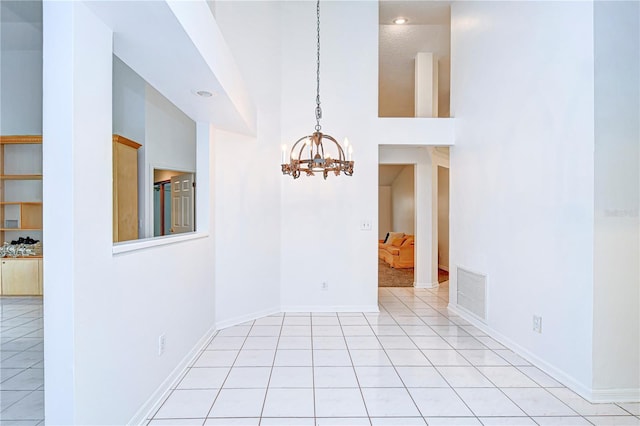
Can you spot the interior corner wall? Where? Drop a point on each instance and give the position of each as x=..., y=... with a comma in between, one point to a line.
x=169, y=143
x=522, y=174
x=403, y=201
x=616, y=334
x=321, y=218
x=104, y=312
x=247, y=174
x=384, y=211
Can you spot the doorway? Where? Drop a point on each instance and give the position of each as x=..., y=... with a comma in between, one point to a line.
x=396, y=225
x=173, y=202
x=161, y=208
x=443, y=224
x=424, y=162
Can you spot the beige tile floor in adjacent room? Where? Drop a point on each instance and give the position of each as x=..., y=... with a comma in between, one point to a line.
x=411, y=364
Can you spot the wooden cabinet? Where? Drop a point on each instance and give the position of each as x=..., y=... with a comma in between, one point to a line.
x=21, y=276
x=125, y=189
x=20, y=186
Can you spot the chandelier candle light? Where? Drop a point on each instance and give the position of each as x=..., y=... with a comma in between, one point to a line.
x=309, y=154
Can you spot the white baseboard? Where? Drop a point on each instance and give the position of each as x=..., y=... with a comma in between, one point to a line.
x=550, y=369
x=426, y=285
x=444, y=268
x=157, y=397
x=248, y=317
x=335, y=308
x=615, y=395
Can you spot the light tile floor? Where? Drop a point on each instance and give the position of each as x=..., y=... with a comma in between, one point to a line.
x=411, y=364
x=21, y=363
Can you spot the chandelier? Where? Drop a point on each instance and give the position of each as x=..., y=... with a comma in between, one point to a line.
x=318, y=152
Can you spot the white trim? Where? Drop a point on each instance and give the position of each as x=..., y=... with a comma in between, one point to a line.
x=156, y=399
x=334, y=308
x=247, y=317
x=129, y=246
x=615, y=395
x=426, y=285
x=551, y=370
x=461, y=309
x=444, y=268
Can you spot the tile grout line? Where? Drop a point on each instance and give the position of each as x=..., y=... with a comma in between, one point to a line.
x=393, y=365
x=495, y=386
x=273, y=364
x=230, y=368
x=313, y=372
x=480, y=372
x=353, y=367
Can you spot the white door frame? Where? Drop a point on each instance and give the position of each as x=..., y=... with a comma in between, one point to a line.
x=426, y=271
x=438, y=159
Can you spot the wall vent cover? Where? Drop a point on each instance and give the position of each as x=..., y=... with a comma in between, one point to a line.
x=472, y=292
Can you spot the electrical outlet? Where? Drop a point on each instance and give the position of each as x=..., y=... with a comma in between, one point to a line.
x=324, y=286
x=537, y=324
x=161, y=344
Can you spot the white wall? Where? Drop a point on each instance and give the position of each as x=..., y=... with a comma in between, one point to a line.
x=616, y=334
x=403, y=203
x=522, y=173
x=384, y=211
x=21, y=90
x=443, y=218
x=321, y=236
x=248, y=190
x=104, y=312
x=128, y=103
x=20, y=114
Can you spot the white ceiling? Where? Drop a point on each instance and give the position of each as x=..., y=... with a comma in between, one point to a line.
x=424, y=12
x=388, y=173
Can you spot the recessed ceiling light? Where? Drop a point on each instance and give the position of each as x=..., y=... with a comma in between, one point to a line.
x=204, y=93
x=400, y=21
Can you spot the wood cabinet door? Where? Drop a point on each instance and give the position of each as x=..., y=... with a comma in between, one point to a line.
x=125, y=193
x=20, y=277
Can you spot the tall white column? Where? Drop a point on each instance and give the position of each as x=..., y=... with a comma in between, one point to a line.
x=77, y=52
x=426, y=85
x=424, y=268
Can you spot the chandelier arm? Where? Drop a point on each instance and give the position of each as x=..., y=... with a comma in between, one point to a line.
x=293, y=148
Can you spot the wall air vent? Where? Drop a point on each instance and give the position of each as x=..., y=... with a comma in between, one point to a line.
x=472, y=292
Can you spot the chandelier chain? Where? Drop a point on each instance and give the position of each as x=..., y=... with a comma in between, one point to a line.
x=317, y=153
x=318, y=109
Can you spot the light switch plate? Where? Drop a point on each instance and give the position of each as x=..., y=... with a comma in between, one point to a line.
x=365, y=225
